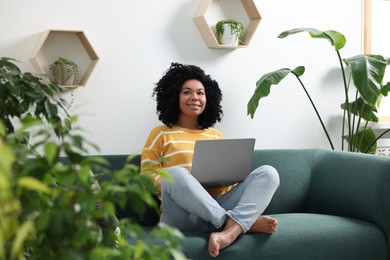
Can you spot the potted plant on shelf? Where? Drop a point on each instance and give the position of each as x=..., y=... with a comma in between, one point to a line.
x=64, y=72
x=230, y=32
x=362, y=97
x=50, y=208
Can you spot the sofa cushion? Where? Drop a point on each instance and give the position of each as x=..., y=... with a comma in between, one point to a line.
x=294, y=168
x=301, y=236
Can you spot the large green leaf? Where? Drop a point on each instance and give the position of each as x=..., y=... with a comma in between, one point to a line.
x=385, y=89
x=25, y=230
x=367, y=74
x=368, y=145
x=31, y=183
x=7, y=159
x=360, y=108
x=335, y=38
x=263, y=85
x=364, y=141
x=51, y=152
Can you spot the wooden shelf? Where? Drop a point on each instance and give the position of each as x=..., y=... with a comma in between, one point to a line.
x=208, y=34
x=69, y=44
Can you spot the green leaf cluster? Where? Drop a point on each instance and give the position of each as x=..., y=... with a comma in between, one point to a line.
x=362, y=94
x=22, y=93
x=52, y=206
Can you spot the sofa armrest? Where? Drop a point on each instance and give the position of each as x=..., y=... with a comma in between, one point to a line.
x=353, y=185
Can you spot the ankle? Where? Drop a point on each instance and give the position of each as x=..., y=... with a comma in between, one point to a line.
x=232, y=229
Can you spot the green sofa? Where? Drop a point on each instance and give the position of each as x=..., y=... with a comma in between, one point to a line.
x=330, y=205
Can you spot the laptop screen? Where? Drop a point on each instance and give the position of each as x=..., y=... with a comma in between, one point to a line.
x=219, y=163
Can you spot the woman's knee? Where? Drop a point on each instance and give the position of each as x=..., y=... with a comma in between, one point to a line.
x=177, y=174
x=269, y=173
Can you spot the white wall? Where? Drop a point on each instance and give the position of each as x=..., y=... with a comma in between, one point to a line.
x=137, y=40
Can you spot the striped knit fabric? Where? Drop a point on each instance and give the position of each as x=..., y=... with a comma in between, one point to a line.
x=174, y=146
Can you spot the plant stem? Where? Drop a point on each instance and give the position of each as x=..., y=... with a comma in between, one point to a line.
x=382, y=134
x=315, y=109
x=343, y=122
x=346, y=98
x=359, y=141
x=355, y=129
x=342, y=131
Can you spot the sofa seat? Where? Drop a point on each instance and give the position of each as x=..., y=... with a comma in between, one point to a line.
x=301, y=236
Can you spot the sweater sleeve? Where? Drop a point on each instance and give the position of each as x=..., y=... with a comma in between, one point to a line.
x=151, y=156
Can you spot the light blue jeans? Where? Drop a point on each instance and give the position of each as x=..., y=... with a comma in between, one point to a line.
x=189, y=207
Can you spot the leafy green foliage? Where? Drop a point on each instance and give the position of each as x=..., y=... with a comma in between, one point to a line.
x=367, y=72
x=23, y=92
x=52, y=208
x=236, y=28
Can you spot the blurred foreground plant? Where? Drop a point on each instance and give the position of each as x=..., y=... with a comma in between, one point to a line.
x=53, y=208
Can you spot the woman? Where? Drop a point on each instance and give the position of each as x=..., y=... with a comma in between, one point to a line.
x=188, y=104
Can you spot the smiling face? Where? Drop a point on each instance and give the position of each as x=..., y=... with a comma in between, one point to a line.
x=192, y=99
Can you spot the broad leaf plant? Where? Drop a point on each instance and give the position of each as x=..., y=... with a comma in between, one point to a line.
x=363, y=87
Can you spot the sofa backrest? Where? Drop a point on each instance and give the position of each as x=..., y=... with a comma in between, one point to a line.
x=294, y=168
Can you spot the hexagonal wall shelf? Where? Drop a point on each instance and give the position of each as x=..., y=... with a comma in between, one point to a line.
x=69, y=44
x=208, y=34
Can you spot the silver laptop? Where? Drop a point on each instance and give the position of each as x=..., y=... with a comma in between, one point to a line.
x=218, y=163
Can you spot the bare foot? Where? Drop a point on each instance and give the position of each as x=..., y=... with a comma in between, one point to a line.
x=220, y=240
x=264, y=224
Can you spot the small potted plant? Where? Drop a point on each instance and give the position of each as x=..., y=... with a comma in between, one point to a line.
x=64, y=72
x=230, y=32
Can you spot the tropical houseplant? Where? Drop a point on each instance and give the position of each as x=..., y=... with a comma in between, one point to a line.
x=229, y=32
x=64, y=72
x=362, y=95
x=52, y=209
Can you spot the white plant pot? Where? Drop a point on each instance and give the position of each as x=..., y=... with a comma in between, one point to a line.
x=228, y=38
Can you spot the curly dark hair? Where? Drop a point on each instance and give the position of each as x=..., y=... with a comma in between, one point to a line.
x=167, y=92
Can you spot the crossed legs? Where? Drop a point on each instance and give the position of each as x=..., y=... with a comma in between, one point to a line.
x=221, y=240
x=189, y=207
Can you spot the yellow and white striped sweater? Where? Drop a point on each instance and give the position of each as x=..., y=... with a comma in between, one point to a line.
x=174, y=146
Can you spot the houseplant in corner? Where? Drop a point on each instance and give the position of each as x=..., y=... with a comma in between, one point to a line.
x=229, y=32
x=362, y=94
x=49, y=207
x=64, y=72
